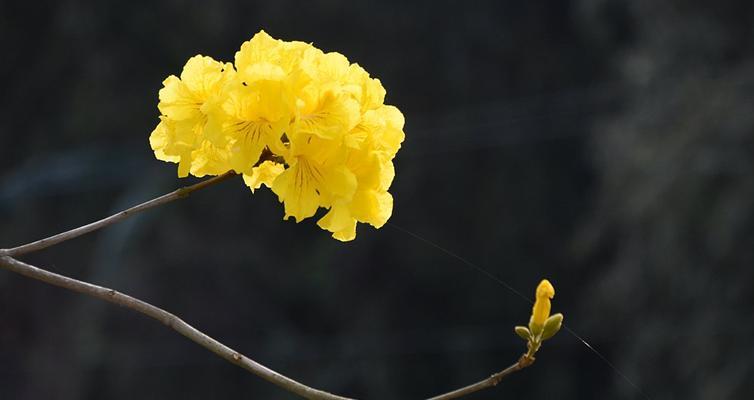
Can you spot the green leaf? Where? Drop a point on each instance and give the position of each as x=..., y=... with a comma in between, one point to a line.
x=535, y=329
x=552, y=326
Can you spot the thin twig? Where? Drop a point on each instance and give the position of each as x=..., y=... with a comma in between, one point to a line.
x=169, y=320
x=76, y=232
x=525, y=361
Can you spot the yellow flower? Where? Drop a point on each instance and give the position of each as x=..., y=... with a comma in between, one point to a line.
x=185, y=104
x=250, y=125
x=308, y=124
x=316, y=176
x=541, y=310
x=259, y=105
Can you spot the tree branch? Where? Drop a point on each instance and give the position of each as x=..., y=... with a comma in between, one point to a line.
x=169, y=320
x=525, y=361
x=10, y=263
x=76, y=232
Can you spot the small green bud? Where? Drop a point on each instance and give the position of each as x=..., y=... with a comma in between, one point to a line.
x=552, y=326
x=523, y=332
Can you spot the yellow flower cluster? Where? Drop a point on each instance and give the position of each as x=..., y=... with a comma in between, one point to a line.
x=310, y=125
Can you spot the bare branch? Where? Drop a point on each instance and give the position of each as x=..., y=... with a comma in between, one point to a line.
x=169, y=320
x=8, y=262
x=525, y=361
x=76, y=232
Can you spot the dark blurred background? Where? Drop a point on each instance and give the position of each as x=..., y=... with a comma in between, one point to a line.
x=605, y=144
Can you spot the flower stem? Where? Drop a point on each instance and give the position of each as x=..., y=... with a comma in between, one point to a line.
x=76, y=232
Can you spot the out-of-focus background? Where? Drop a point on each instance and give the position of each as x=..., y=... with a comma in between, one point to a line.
x=605, y=144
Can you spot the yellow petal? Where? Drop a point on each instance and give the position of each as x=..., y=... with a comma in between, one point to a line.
x=390, y=139
x=184, y=165
x=204, y=76
x=346, y=235
x=330, y=117
x=297, y=188
x=307, y=184
x=340, y=222
x=332, y=68
x=177, y=102
x=209, y=160
x=373, y=207
x=249, y=138
x=338, y=183
x=368, y=91
x=159, y=140
x=541, y=310
x=370, y=125
x=261, y=48
x=387, y=173
x=545, y=290
x=264, y=174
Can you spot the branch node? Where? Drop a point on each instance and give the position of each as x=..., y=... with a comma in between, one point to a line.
x=496, y=378
x=525, y=361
